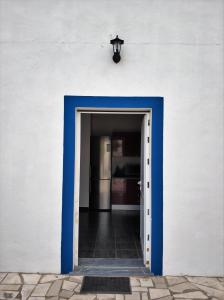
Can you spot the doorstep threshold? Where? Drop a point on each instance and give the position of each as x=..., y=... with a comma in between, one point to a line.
x=115, y=272
x=110, y=267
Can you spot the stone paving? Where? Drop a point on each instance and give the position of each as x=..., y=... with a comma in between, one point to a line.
x=65, y=287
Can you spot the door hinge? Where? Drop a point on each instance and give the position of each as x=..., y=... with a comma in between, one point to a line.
x=148, y=139
x=148, y=122
x=148, y=184
x=147, y=237
x=147, y=161
x=148, y=211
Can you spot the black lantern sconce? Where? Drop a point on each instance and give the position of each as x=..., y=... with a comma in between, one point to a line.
x=117, y=48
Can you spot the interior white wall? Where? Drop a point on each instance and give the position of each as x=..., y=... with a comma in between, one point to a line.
x=85, y=160
x=100, y=124
x=172, y=49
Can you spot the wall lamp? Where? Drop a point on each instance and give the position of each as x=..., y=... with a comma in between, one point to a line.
x=117, y=48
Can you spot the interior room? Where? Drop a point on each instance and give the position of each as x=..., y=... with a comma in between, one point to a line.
x=109, y=213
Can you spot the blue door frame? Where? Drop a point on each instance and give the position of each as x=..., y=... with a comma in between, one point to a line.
x=70, y=104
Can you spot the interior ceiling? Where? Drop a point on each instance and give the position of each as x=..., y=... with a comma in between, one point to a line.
x=102, y=124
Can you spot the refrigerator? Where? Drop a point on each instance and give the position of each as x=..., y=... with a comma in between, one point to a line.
x=100, y=163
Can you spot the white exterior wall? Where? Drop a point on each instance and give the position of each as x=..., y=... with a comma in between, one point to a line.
x=54, y=48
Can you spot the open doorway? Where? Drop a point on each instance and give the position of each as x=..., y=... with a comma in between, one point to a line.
x=114, y=176
x=151, y=191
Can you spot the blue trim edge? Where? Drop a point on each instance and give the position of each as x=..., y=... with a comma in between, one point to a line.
x=70, y=104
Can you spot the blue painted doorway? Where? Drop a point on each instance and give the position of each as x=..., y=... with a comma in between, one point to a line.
x=71, y=104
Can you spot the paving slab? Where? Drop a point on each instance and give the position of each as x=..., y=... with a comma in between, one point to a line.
x=182, y=287
x=145, y=296
x=41, y=290
x=2, y=276
x=27, y=290
x=146, y=282
x=9, y=287
x=78, y=288
x=12, y=278
x=158, y=293
x=55, y=288
x=191, y=295
x=83, y=297
x=159, y=282
x=168, y=298
x=66, y=294
x=135, y=281
x=173, y=280
x=31, y=278
x=51, y=277
x=133, y=296
x=139, y=289
x=119, y=297
x=8, y=295
x=69, y=285
x=105, y=297
x=211, y=292
x=207, y=281
x=77, y=279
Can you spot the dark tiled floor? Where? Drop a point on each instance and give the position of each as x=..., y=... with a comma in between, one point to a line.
x=112, y=234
